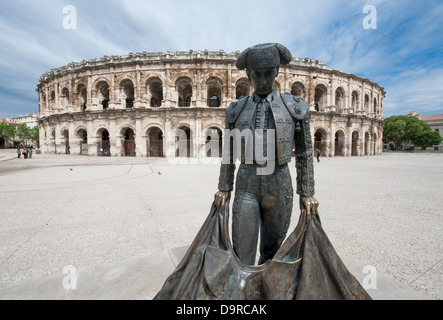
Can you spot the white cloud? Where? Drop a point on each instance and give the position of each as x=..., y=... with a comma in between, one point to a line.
x=419, y=90
x=33, y=40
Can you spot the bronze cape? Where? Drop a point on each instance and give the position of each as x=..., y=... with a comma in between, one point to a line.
x=305, y=267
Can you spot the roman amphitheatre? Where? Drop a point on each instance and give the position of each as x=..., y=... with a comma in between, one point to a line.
x=132, y=105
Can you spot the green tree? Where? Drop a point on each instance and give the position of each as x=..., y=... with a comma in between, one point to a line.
x=7, y=130
x=23, y=132
x=400, y=129
x=34, y=133
x=426, y=138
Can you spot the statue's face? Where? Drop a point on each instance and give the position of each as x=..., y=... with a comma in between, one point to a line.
x=262, y=80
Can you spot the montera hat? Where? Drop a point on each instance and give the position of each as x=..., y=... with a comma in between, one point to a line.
x=262, y=56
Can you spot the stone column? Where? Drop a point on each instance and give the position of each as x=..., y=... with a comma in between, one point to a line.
x=71, y=129
x=140, y=151
x=92, y=146
x=348, y=146
x=113, y=136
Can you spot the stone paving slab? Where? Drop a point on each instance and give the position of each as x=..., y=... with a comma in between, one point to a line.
x=114, y=219
x=141, y=278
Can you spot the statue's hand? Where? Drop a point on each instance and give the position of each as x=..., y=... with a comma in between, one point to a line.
x=311, y=205
x=221, y=197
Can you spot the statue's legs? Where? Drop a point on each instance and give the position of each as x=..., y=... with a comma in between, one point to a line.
x=262, y=205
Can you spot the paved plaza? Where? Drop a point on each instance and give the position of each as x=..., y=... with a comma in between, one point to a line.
x=124, y=223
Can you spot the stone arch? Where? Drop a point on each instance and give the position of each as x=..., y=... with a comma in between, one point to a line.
x=52, y=97
x=184, y=141
x=101, y=128
x=340, y=99
x=64, y=141
x=214, y=141
x=214, y=125
x=375, y=105
x=101, y=79
x=340, y=143
x=154, y=91
x=81, y=133
x=122, y=128
x=320, y=97
x=184, y=91
x=127, y=136
x=82, y=97
x=102, y=92
x=214, y=92
x=355, y=142
x=152, y=125
x=103, y=141
x=366, y=103
x=64, y=97
x=242, y=88
x=298, y=89
x=154, y=141
x=127, y=91
x=78, y=129
x=320, y=140
x=355, y=101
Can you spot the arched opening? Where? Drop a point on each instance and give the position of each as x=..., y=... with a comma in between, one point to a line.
x=214, y=143
x=43, y=102
x=375, y=106
x=298, y=89
x=340, y=144
x=129, y=143
x=155, y=142
x=214, y=96
x=82, y=96
x=366, y=103
x=339, y=99
x=320, y=139
x=320, y=97
x=82, y=134
x=354, y=147
x=103, y=94
x=52, y=99
x=242, y=88
x=184, y=90
x=2, y=143
x=155, y=92
x=65, y=97
x=127, y=88
x=52, y=141
x=104, y=143
x=354, y=101
x=65, y=141
x=183, y=142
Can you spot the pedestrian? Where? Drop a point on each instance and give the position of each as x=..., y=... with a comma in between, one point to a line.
x=25, y=154
x=318, y=155
x=18, y=153
x=30, y=153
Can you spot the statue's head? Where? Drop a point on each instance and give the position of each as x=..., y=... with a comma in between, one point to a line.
x=262, y=63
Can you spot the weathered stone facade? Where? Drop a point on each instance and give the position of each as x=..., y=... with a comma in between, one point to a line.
x=131, y=105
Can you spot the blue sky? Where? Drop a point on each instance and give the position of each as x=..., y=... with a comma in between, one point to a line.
x=403, y=54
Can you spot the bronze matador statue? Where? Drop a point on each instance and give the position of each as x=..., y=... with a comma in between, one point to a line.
x=263, y=128
x=263, y=199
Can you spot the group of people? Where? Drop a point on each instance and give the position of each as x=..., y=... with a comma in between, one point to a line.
x=27, y=152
